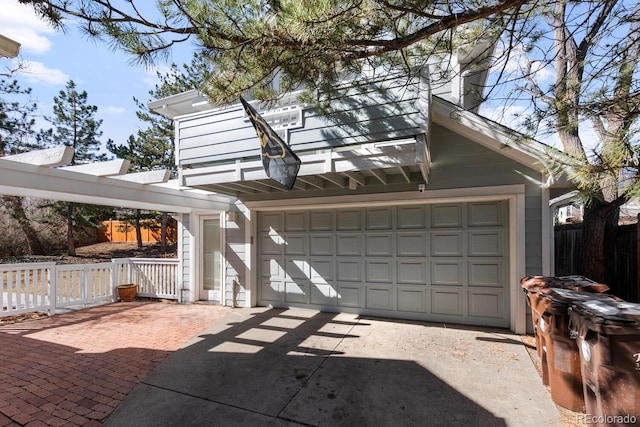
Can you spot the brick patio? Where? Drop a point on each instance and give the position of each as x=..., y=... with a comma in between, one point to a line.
x=75, y=368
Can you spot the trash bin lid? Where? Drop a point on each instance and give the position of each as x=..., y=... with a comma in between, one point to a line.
x=559, y=300
x=578, y=283
x=609, y=310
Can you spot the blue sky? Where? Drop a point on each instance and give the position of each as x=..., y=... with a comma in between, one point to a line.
x=111, y=78
x=53, y=58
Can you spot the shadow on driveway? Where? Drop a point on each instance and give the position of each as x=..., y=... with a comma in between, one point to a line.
x=298, y=367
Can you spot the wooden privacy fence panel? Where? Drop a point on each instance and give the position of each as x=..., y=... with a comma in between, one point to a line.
x=122, y=231
x=567, y=247
x=35, y=287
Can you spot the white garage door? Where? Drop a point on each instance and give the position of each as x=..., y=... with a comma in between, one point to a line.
x=442, y=262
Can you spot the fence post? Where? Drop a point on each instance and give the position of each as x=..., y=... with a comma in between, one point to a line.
x=637, y=296
x=115, y=276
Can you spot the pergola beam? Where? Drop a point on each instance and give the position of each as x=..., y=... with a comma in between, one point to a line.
x=52, y=157
x=21, y=179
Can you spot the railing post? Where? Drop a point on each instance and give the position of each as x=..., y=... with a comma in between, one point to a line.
x=116, y=280
x=130, y=268
x=84, y=290
x=53, y=290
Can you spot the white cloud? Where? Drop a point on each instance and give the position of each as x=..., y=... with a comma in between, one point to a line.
x=112, y=109
x=19, y=23
x=151, y=74
x=518, y=61
x=37, y=72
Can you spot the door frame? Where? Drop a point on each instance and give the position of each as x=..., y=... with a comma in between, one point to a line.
x=199, y=254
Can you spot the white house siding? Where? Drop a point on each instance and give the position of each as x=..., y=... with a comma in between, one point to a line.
x=184, y=250
x=236, y=257
x=225, y=134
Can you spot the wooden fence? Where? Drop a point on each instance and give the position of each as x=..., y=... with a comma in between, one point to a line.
x=567, y=246
x=122, y=231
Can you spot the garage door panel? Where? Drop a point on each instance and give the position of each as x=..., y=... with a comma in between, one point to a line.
x=447, y=243
x=447, y=216
x=379, y=270
x=488, y=273
x=321, y=270
x=412, y=299
x=349, y=244
x=447, y=301
x=486, y=243
x=295, y=245
x=321, y=220
x=411, y=244
x=295, y=221
x=271, y=244
x=379, y=298
x=296, y=268
x=412, y=271
x=379, y=218
x=270, y=289
x=447, y=272
x=486, y=303
x=323, y=294
x=271, y=221
x=349, y=295
x=321, y=245
x=349, y=270
x=271, y=267
x=412, y=217
x=485, y=214
x=379, y=244
x=296, y=291
x=349, y=219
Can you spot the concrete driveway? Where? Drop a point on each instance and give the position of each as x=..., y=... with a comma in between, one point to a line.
x=296, y=367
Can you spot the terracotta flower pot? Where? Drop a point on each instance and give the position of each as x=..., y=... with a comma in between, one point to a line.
x=127, y=292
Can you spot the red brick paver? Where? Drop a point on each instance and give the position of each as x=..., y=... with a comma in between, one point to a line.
x=75, y=368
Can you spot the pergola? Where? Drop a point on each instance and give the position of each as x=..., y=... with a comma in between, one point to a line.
x=43, y=174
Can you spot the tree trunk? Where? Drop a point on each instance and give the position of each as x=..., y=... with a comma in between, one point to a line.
x=14, y=203
x=138, y=230
x=163, y=232
x=71, y=246
x=599, y=232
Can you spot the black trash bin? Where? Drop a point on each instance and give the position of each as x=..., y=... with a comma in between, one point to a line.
x=608, y=337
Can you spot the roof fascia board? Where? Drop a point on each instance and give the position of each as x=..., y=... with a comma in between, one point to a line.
x=487, y=133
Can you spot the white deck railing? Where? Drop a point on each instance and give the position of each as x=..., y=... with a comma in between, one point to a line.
x=47, y=286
